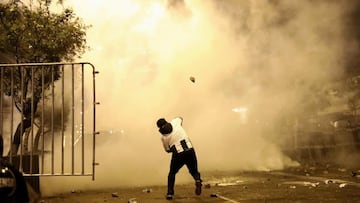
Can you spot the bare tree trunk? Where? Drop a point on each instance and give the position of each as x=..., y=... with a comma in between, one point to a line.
x=1, y=146
x=29, y=107
x=26, y=140
x=37, y=139
x=18, y=136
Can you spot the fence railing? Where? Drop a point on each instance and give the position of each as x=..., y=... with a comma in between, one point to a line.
x=48, y=118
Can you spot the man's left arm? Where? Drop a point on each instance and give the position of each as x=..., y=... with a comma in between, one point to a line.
x=166, y=145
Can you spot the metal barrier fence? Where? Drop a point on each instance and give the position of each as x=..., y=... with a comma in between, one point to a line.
x=47, y=118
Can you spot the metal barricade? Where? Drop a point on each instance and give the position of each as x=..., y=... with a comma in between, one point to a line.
x=48, y=118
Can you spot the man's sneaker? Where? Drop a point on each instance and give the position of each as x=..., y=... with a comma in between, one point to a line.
x=198, y=187
x=169, y=197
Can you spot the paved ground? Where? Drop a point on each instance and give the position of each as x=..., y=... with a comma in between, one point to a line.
x=299, y=185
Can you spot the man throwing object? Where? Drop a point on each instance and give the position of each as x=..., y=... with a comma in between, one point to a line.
x=176, y=141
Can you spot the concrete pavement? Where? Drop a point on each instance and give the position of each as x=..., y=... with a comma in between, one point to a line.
x=300, y=185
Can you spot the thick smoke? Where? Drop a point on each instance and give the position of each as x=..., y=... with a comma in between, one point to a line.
x=253, y=62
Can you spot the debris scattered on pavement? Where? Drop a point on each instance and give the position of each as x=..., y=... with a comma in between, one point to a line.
x=292, y=187
x=353, y=173
x=75, y=191
x=226, y=184
x=304, y=183
x=132, y=200
x=342, y=185
x=207, y=186
x=311, y=184
x=342, y=169
x=328, y=181
x=232, y=181
x=223, y=198
x=147, y=190
x=115, y=194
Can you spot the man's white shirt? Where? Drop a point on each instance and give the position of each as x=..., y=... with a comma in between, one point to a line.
x=177, y=138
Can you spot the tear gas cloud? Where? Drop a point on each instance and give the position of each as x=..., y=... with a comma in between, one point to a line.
x=252, y=60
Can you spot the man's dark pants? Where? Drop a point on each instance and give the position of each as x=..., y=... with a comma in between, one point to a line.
x=178, y=160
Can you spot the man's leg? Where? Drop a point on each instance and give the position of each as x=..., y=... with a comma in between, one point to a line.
x=191, y=163
x=175, y=165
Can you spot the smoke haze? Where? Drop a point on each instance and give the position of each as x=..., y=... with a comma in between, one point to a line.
x=253, y=61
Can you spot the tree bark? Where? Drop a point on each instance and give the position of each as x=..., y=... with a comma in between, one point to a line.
x=26, y=140
x=37, y=140
x=18, y=136
x=1, y=146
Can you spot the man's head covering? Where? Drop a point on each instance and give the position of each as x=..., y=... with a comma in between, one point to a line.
x=161, y=122
x=164, y=126
x=166, y=129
